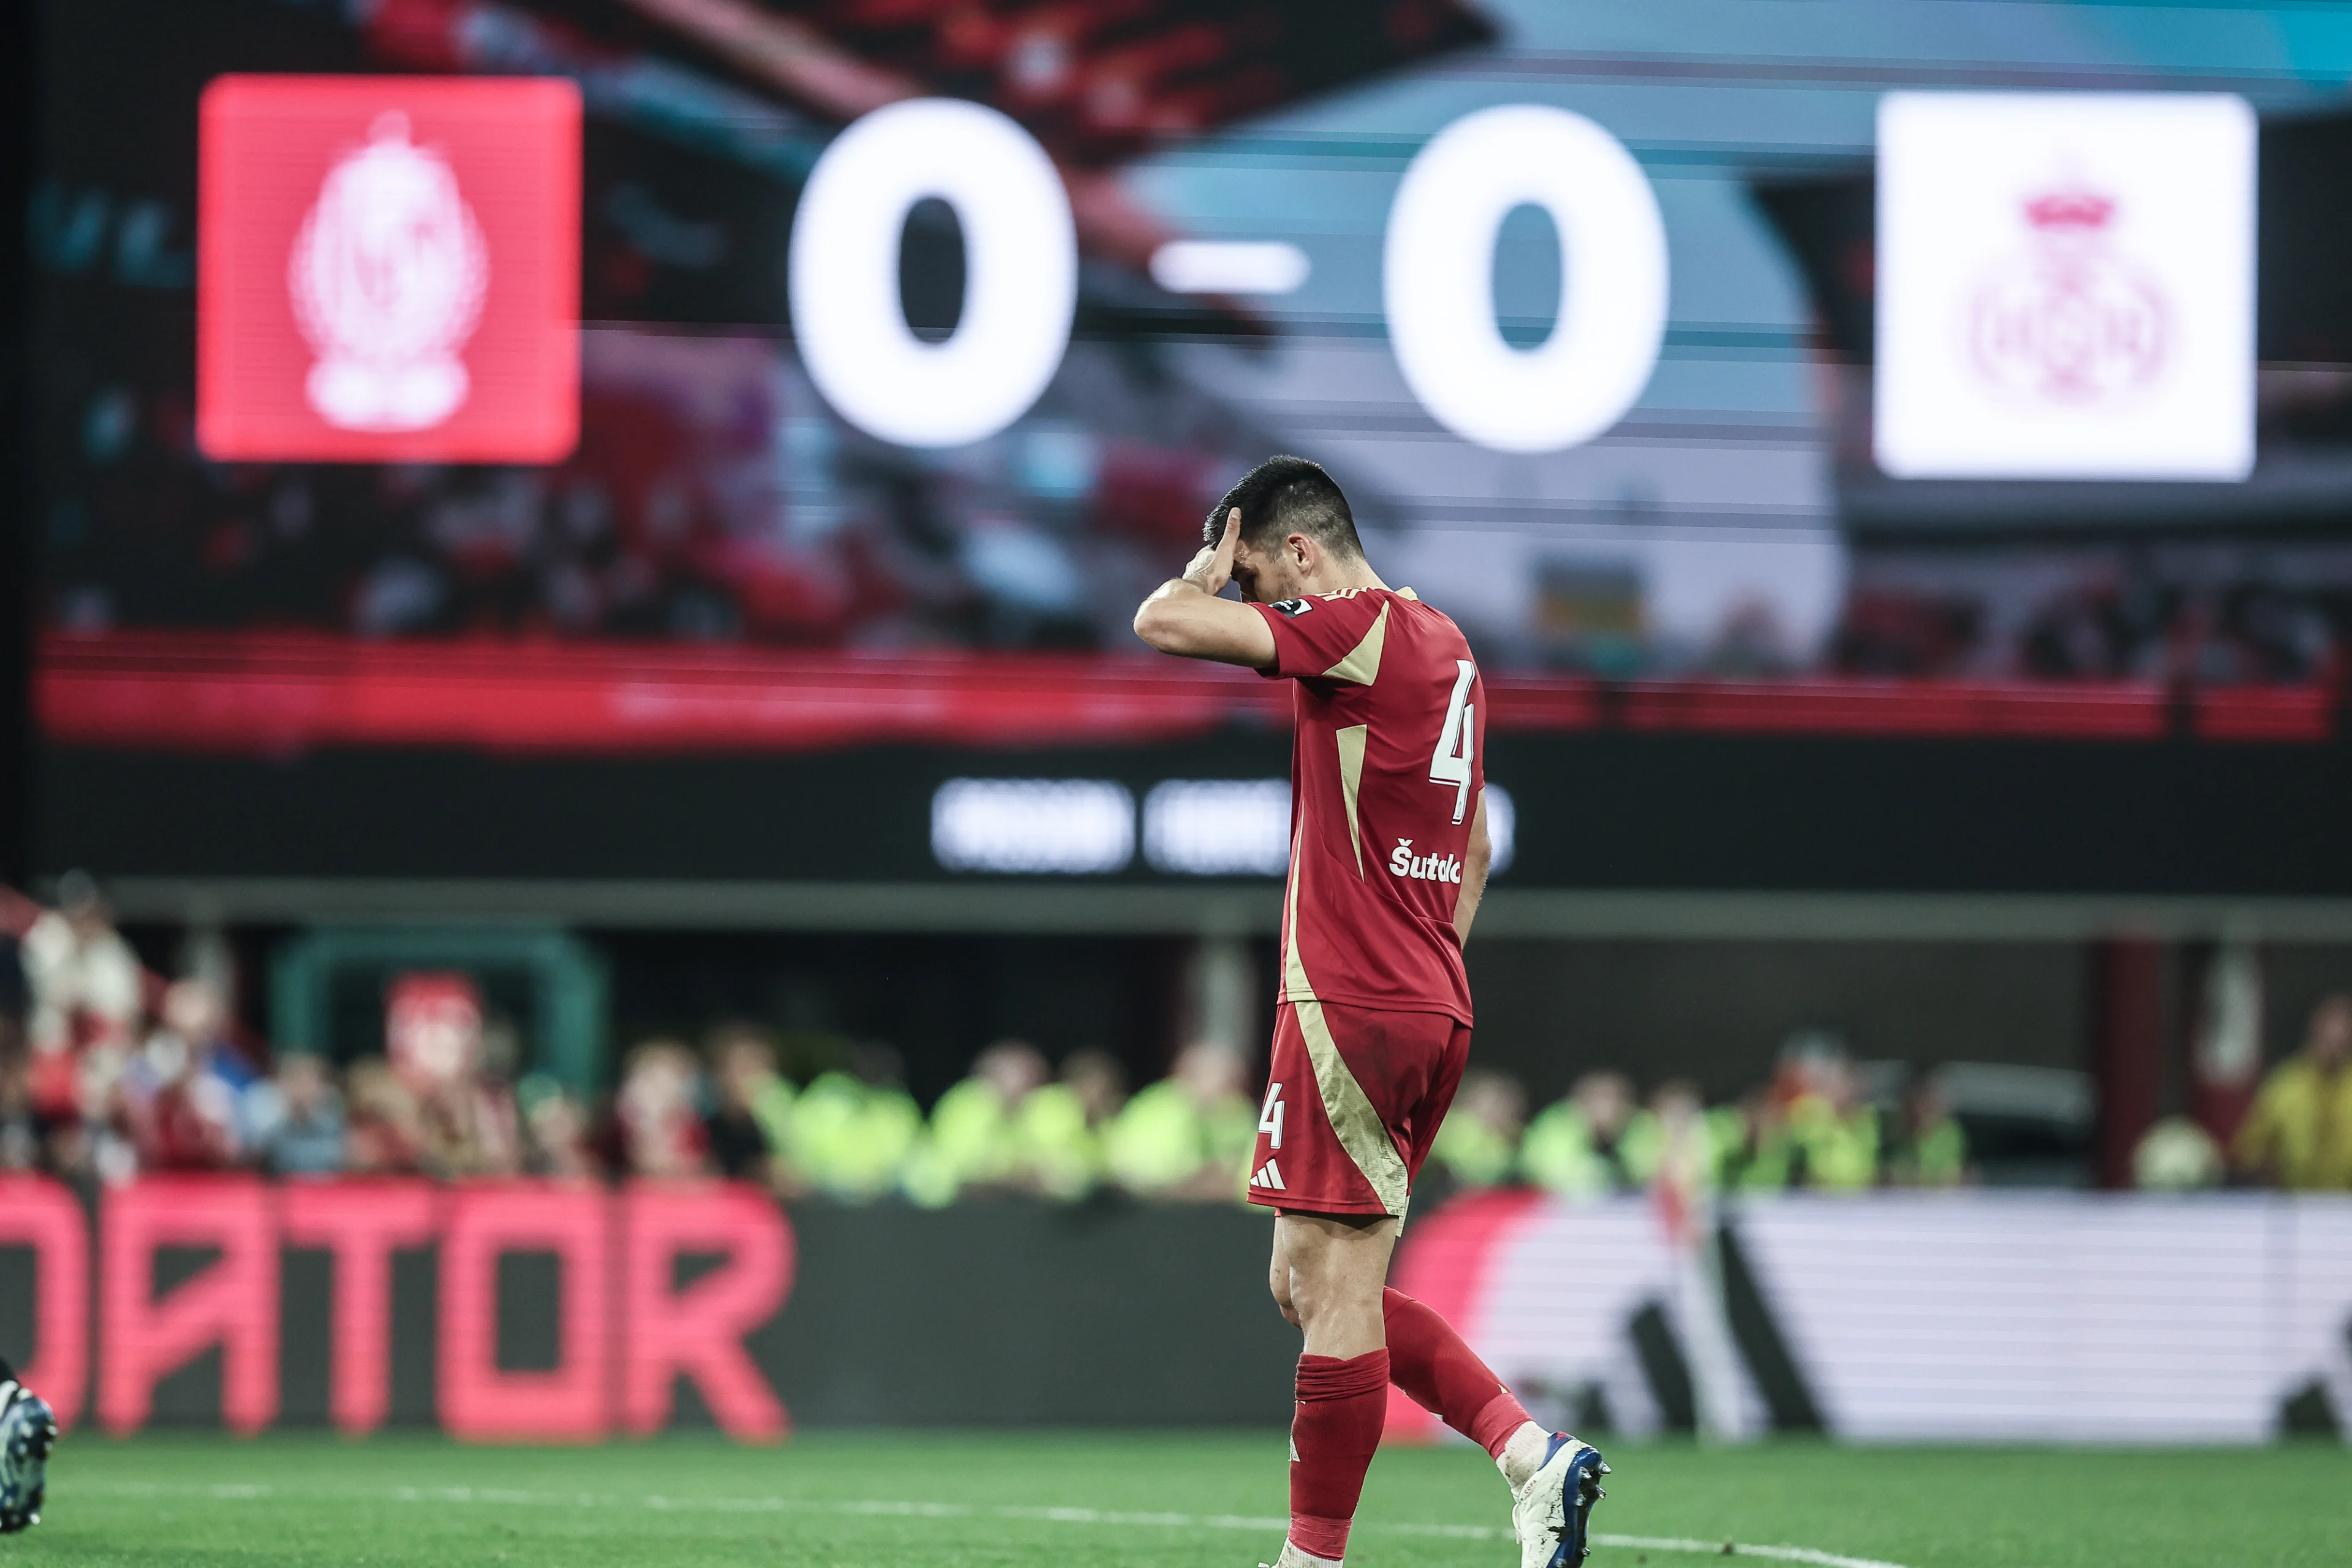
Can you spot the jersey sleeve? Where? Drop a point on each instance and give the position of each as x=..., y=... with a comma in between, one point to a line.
x=1311, y=635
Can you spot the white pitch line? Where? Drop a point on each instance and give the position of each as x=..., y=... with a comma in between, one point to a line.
x=506, y=1497
x=1741, y=1548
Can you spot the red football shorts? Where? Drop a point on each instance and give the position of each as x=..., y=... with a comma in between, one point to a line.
x=1352, y=1105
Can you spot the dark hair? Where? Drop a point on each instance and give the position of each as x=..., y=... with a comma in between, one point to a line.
x=1284, y=496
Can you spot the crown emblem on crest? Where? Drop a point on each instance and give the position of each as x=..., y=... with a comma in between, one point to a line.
x=2071, y=320
x=387, y=276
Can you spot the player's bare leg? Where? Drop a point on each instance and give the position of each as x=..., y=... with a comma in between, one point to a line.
x=1327, y=1274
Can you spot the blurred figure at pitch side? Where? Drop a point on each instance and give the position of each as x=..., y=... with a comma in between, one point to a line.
x=1832, y=1133
x=1928, y=1149
x=1752, y=1138
x=2299, y=1133
x=556, y=1135
x=294, y=1119
x=20, y=1135
x=1372, y=1030
x=1675, y=1151
x=383, y=1134
x=975, y=1138
x=1189, y=1136
x=657, y=1120
x=752, y=1120
x=2176, y=1155
x=1060, y=1129
x=1573, y=1148
x=855, y=1133
x=1664, y=1131
x=1478, y=1145
x=84, y=989
x=454, y=1069
x=181, y=1092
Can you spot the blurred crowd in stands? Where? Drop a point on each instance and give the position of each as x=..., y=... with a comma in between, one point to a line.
x=107, y=1071
x=2202, y=618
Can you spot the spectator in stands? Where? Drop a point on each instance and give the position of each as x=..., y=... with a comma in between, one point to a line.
x=1673, y=1143
x=454, y=1063
x=1929, y=1149
x=1189, y=1136
x=656, y=1114
x=294, y=1121
x=554, y=1132
x=195, y=1010
x=1833, y=1131
x=753, y=1116
x=470, y=1128
x=2299, y=1133
x=1478, y=1143
x=2178, y=1156
x=85, y=987
x=853, y=1134
x=1098, y=1081
x=1572, y=1147
x=1058, y=1134
x=975, y=1133
x=1672, y=1136
x=20, y=1135
x=1752, y=1139
x=183, y=1116
x=383, y=1135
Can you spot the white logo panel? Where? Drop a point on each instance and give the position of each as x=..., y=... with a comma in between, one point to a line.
x=2065, y=286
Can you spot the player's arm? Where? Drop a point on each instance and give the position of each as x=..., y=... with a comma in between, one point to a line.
x=1184, y=614
x=1473, y=874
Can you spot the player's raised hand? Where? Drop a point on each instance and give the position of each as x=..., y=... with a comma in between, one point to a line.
x=1194, y=627
x=1212, y=568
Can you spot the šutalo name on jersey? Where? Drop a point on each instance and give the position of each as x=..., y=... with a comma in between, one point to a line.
x=1403, y=862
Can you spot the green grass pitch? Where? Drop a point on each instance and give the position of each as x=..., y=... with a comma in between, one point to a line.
x=1154, y=1501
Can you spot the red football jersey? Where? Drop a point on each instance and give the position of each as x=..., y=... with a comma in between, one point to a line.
x=1385, y=774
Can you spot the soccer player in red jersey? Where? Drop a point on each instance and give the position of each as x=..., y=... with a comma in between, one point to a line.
x=1388, y=859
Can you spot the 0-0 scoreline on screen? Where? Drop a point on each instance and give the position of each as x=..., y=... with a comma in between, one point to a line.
x=446, y=407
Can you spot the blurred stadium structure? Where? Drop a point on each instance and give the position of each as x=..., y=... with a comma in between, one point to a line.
x=689, y=893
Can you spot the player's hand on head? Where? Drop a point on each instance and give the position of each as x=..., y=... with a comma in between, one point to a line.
x=1213, y=567
x=1194, y=626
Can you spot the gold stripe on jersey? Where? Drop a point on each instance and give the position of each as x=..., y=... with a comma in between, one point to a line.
x=1362, y=664
x=1345, y=1105
x=1352, y=776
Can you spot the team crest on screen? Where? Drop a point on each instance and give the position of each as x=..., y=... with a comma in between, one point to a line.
x=2069, y=319
x=1292, y=607
x=387, y=276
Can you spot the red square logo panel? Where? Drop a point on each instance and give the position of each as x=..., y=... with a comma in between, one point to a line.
x=388, y=269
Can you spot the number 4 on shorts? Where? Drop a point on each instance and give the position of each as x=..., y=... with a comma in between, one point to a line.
x=1269, y=1120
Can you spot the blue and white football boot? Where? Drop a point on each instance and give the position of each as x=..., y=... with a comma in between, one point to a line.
x=28, y=1430
x=1552, y=1513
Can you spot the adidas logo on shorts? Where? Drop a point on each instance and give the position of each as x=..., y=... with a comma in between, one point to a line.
x=1268, y=1175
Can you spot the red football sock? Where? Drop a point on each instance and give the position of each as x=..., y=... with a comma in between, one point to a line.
x=1444, y=1376
x=1342, y=1404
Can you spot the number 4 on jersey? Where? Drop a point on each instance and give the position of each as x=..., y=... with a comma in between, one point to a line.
x=1458, y=743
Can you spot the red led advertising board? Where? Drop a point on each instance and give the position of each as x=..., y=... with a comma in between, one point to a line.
x=388, y=269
